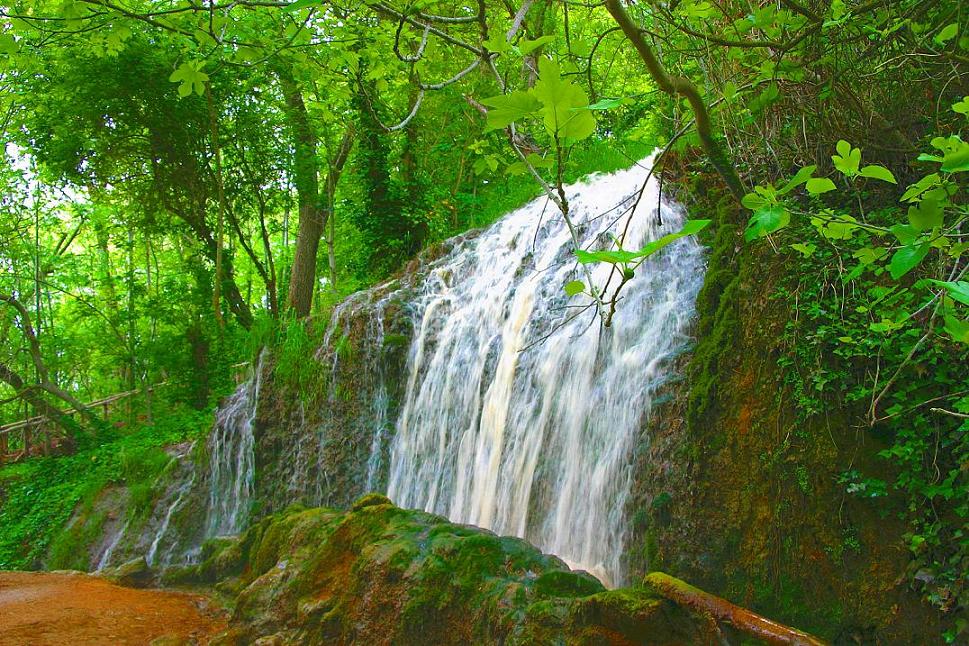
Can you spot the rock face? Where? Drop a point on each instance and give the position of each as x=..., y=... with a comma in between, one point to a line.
x=379, y=574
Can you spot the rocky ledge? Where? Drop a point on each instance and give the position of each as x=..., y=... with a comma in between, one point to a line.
x=378, y=574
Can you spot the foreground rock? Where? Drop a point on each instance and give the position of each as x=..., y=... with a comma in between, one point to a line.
x=72, y=608
x=380, y=575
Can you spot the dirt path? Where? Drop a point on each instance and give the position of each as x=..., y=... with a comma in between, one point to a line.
x=38, y=608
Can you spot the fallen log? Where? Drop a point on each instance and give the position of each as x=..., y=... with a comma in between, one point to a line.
x=740, y=619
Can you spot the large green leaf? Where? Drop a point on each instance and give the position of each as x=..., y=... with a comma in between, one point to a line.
x=559, y=96
x=615, y=256
x=190, y=77
x=906, y=259
x=691, y=227
x=926, y=215
x=819, y=185
x=767, y=220
x=958, y=290
x=619, y=256
x=799, y=178
x=526, y=47
x=848, y=158
x=878, y=172
x=508, y=108
x=957, y=328
x=574, y=287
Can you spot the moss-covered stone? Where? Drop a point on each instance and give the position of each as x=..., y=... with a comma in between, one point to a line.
x=380, y=575
x=134, y=574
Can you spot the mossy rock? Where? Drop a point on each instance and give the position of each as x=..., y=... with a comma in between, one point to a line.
x=558, y=583
x=370, y=500
x=133, y=574
x=381, y=574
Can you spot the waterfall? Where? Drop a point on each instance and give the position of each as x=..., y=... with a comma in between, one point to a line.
x=105, y=559
x=516, y=410
x=521, y=412
x=232, y=466
x=179, y=496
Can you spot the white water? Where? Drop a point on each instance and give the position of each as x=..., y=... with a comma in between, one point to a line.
x=179, y=497
x=105, y=559
x=518, y=415
x=232, y=454
x=530, y=437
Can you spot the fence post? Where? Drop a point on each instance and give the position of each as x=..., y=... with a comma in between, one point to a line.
x=26, y=442
x=3, y=447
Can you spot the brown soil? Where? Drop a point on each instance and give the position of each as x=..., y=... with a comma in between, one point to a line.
x=56, y=609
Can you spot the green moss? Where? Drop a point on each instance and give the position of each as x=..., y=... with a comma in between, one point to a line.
x=559, y=583
x=384, y=574
x=717, y=319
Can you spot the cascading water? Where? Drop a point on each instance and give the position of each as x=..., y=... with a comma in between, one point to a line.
x=232, y=451
x=179, y=497
x=516, y=410
x=520, y=415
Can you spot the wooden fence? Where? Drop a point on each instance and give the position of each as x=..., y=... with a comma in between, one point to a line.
x=40, y=436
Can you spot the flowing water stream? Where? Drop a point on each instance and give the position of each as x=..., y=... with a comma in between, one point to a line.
x=520, y=412
x=232, y=459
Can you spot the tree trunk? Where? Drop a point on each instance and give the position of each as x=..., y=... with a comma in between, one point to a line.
x=313, y=214
x=41, y=407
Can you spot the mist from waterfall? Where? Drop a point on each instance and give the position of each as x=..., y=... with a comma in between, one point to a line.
x=521, y=412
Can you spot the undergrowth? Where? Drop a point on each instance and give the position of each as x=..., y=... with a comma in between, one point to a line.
x=38, y=497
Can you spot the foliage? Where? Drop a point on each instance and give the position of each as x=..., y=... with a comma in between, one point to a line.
x=40, y=496
x=871, y=338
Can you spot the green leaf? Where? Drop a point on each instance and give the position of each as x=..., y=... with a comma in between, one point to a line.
x=497, y=44
x=958, y=290
x=765, y=221
x=799, y=178
x=690, y=228
x=848, y=159
x=8, y=44
x=526, y=47
x=926, y=215
x=878, y=172
x=753, y=201
x=622, y=256
x=868, y=255
x=806, y=249
x=905, y=233
x=517, y=168
x=957, y=328
x=603, y=104
x=841, y=227
x=948, y=33
x=190, y=77
x=302, y=4
x=955, y=153
x=246, y=54
x=508, y=108
x=906, y=259
x=538, y=161
x=614, y=257
x=924, y=184
x=819, y=185
x=574, y=287
x=558, y=97
x=962, y=107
